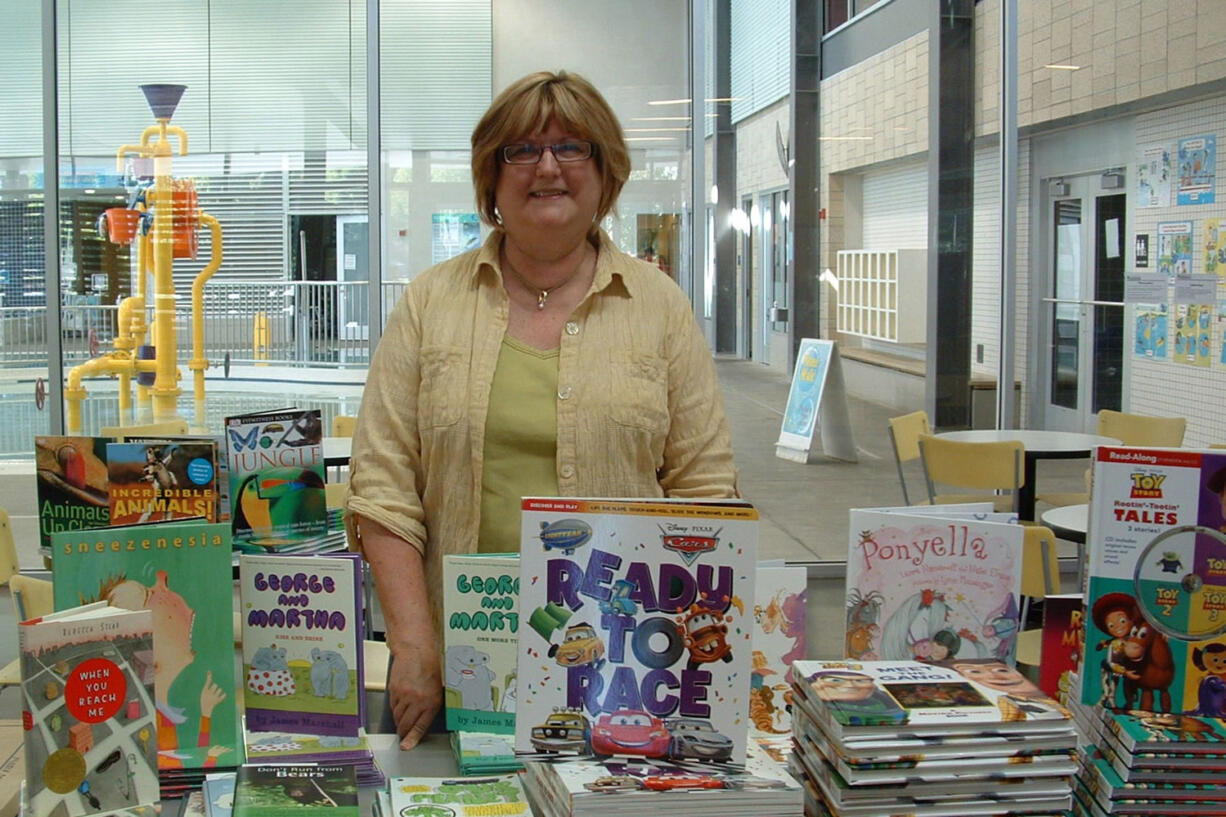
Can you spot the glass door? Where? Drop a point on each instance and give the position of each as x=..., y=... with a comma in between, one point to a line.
x=353, y=278
x=1083, y=308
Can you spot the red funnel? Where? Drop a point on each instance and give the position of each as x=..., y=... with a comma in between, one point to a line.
x=163, y=99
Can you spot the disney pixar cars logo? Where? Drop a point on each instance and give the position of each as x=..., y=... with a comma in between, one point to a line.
x=689, y=543
x=1147, y=486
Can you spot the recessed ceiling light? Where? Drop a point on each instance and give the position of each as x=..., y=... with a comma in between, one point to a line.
x=1055, y=66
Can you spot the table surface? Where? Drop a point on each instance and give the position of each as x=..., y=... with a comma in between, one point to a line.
x=1035, y=440
x=1067, y=517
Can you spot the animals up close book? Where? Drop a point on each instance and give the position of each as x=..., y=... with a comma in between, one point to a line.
x=181, y=571
x=480, y=641
x=87, y=699
x=928, y=586
x=156, y=481
x=1156, y=593
x=301, y=619
x=72, y=484
x=276, y=467
x=778, y=639
x=639, y=619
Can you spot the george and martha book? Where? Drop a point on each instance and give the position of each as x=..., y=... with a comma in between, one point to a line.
x=638, y=621
x=301, y=618
x=88, y=706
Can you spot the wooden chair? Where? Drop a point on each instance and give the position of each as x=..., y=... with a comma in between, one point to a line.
x=8, y=549
x=163, y=428
x=335, y=493
x=343, y=425
x=1040, y=579
x=993, y=471
x=905, y=432
x=31, y=598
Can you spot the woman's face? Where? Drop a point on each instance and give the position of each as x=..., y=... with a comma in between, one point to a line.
x=548, y=196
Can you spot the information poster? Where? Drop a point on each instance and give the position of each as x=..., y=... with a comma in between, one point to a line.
x=452, y=234
x=817, y=389
x=1175, y=248
x=1154, y=176
x=1192, y=334
x=1197, y=169
x=1151, y=331
x=1221, y=322
x=1215, y=247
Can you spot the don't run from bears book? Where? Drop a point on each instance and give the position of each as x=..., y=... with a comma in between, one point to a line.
x=638, y=624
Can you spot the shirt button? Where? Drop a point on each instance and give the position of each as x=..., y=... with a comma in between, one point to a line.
x=572, y=328
x=567, y=471
x=564, y=393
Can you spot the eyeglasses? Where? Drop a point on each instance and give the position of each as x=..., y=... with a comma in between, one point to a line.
x=526, y=153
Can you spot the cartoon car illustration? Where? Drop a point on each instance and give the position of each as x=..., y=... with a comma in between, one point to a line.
x=630, y=732
x=749, y=782
x=619, y=600
x=562, y=731
x=612, y=784
x=705, y=635
x=697, y=739
x=671, y=782
x=579, y=646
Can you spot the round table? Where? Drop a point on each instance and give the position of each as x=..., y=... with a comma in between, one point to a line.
x=1070, y=522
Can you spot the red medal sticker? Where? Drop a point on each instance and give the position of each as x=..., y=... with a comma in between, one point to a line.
x=95, y=690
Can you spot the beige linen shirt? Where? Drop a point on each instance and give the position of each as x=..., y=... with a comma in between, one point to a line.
x=639, y=408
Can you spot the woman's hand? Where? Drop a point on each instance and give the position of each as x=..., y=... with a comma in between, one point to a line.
x=415, y=689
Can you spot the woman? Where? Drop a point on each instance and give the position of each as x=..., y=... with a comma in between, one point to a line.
x=545, y=362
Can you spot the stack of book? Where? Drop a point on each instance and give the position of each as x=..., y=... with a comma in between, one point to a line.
x=325, y=750
x=572, y=787
x=484, y=753
x=273, y=790
x=963, y=737
x=459, y=797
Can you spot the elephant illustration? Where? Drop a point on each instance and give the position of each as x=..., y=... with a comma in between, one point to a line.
x=269, y=673
x=329, y=674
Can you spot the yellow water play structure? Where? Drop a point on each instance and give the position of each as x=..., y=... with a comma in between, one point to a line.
x=162, y=218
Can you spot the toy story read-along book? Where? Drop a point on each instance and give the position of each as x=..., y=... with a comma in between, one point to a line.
x=181, y=571
x=1156, y=594
x=638, y=626
x=301, y=619
x=88, y=705
x=276, y=467
x=932, y=585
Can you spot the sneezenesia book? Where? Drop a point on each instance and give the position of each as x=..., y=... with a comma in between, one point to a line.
x=637, y=627
x=480, y=641
x=181, y=571
x=295, y=789
x=276, y=467
x=301, y=619
x=88, y=701
x=71, y=484
x=160, y=480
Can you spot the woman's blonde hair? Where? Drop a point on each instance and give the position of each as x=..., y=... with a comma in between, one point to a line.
x=526, y=107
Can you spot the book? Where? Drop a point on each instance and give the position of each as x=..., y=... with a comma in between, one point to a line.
x=218, y=791
x=276, y=467
x=480, y=641
x=484, y=752
x=71, y=484
x=1163, y=732
x=926, y=586
x=854, y=700
x=1062, y=641
x=1156, y=576
x=639, y=623
x=180, y=571
x=161, y=480
x=500, y=794
x=301, y=619
x=88, y=705
x=284, y=790
x=328, y=750
x=778, y=639
x=12, y=766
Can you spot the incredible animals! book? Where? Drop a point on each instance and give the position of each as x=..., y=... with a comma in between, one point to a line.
x=1156, y=594
x=88, y=701
x=480, y=641
x=778, y=640
x=639, y=619
x=276, y=466
x=925, y=586
x=156, y=481
x=72, y=484
x=181, y=571
x=301, y=619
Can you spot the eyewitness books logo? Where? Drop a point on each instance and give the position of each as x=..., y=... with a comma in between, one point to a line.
x=1147, y=485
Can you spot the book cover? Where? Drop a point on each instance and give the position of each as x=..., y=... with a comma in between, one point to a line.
x=1062, y=642
x=301, y=618
x=276, y=467
x=160, y=480
x=220, y=463
x=218, y=791
x=778, y=639
x=480, y=641
x=850, y=699
x=921, y=586
x=294, y=790
x=181, y=571
x=88, y=706
x=484, y=752
x=1156, y=582
x=1163, y=732
x=639, y=627
x=499, y=794
x=71, y=483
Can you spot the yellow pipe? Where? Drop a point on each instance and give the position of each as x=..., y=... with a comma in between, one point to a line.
x=199, y=362
x=166, y=391
x=113, y=363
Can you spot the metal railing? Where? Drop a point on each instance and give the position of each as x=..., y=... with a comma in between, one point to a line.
x=291, y=323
